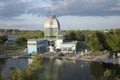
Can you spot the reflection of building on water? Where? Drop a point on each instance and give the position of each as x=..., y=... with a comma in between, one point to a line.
x=58, y=61
x=54, y=36
x=14, y=63
x=68, y=70
x=30, y=60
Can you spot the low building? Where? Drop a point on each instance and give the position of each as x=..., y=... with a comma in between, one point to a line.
x=64, y=46
x=69, y=47
x=37, y=46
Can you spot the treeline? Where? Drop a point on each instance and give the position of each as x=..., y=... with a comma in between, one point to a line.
x=97, y=40
x=24, y=35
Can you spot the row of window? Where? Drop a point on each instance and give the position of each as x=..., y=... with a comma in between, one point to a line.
x=67, y=49
x=51, y=31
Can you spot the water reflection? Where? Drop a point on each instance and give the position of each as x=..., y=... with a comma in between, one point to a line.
x=96, y=70
x=68, y=70
x=16, y=63
x=58, y=69
x=78, y=70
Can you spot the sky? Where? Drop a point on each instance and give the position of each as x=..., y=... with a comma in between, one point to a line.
x=72, y=14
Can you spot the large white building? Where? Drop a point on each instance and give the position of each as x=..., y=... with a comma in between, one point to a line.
x=51, y=28
x=52, y=34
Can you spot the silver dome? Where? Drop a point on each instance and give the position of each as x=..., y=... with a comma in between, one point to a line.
x=52, y=22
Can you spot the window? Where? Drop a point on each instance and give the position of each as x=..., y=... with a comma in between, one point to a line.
x=64, y=49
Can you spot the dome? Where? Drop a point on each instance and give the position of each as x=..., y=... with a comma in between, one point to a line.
x=52, y=22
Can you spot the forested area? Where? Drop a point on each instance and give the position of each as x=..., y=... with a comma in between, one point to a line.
x=95, y=40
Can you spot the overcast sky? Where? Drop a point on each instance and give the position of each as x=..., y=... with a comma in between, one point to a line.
x=72, y=14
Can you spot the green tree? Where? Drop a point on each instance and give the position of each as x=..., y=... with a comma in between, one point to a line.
x=32, y=73
x=107, y=75
x=113, y=41
x=37, y=62
x=94, y=42
x=70, y=35
x=102, y=40
x=3, y=39
x=2, y=77
x=20, y=40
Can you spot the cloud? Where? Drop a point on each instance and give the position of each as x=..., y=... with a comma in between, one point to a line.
x=86, y=7
x=13, y=8
x=80, y=8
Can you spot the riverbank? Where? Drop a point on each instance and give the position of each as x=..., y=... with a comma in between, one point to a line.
x=96, y=59
x=101, y=59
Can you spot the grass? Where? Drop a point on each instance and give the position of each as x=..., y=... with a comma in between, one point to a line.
x=98, y=53
x=10, y=48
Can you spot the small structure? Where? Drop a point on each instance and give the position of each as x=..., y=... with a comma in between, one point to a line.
x=66, y=47
x=37, y=45
x=69, y=47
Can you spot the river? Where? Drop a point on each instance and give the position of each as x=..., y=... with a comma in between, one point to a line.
x=64, y=69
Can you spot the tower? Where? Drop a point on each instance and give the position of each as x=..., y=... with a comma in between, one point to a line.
x=51, y=27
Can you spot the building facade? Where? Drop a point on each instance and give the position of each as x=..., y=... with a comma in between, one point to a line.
x=37, y=46
x=52, y=34
x=51, y=28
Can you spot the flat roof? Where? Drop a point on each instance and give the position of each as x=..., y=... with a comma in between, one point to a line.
x=70, y=42
x=36, y=39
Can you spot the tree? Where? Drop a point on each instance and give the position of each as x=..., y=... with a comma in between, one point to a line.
x=102, y=40
x=70, y=35
x=3, y=39
x=113, y=41
x=37, y=62
x=2, y=77
x=94, y=42
x=20, y=40
x=32, y=73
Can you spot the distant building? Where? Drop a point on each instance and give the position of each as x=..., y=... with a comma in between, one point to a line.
x=51, y=28
x=12, y=37
x=37, y=46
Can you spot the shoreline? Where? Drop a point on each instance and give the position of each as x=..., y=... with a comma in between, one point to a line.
x=100, y=59
x=103, y=60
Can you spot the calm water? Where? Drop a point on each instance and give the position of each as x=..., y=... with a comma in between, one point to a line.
x=64, y=69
